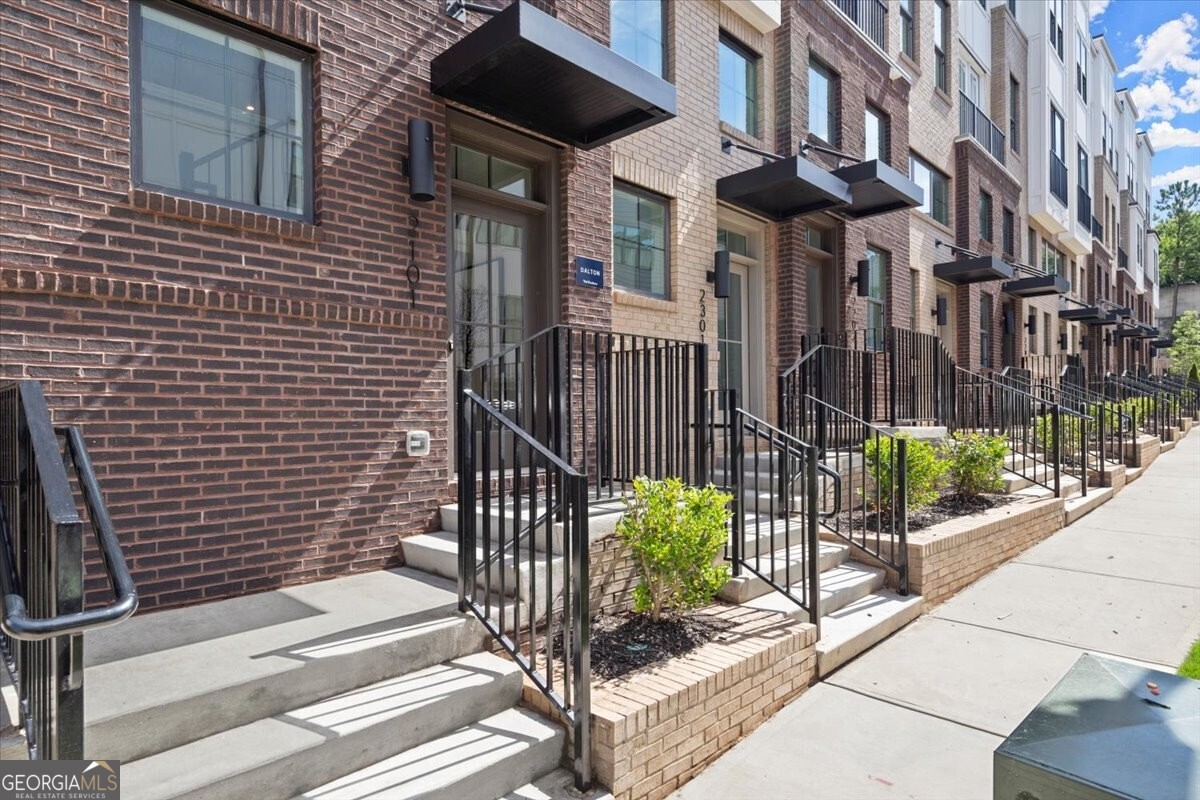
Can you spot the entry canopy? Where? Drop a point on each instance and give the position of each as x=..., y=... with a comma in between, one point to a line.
x=1037, y=286
x=973, y=270
x=1163, y=341
x=1088, y=315
x=784, y=189
x=793, y=186
x=526, y=67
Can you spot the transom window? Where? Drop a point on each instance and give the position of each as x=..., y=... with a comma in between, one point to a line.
x=491, y=172
x=821, y=105
x=639, y=33
x=640, y=241
x=738, y=85
x=220, y=113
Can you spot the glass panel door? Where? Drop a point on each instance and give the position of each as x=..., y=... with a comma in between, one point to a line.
x=731, y=339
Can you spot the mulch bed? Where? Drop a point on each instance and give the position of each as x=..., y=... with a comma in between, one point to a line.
x=623, y=643
x=945, y=508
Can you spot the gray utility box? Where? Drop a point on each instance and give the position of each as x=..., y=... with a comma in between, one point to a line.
x=1096, y=736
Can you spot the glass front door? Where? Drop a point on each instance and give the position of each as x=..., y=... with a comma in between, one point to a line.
x=732, y=313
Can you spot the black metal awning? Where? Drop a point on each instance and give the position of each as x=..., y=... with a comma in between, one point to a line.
x=526, y=67
x=877, y=188
x=973, y=270
x=1146, y=332
x=1088, y=315
x=1164, y=341
x=1037, y=286
x=785, y=188
x=1121, y=311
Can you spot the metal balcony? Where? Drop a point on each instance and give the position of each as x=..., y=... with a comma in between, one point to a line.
x=870, y=16
x=1058, y=178
x=1097, y=229
x=1083, y=212
x=979, y=126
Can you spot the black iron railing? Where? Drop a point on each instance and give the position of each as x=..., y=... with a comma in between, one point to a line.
x=1141, y=403
x=974, y=122
x=1097, y=229
x=1187, y=392
x=1166, y=397
x=565, y=415
x=41, y=569
x=1083, y=207
x=870, y=16
x=870, y=507
x=1122, y=259
x=1058, y=178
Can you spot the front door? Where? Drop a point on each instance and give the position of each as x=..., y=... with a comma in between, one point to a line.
x=732, y=315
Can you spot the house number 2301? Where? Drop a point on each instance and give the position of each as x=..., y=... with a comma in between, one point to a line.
x=703, y=312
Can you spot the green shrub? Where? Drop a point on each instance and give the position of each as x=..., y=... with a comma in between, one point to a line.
x=675, y=532
x=976, y=464
x=1194, y=373
x=925, y=471
x=1069, y=431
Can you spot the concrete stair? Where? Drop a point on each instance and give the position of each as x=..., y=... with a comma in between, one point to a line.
x=1077, y=507
x=840, y=586
x=370, y=685
x=861, y=625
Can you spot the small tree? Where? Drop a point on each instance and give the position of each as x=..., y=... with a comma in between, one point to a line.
x=1194, y=373
x=1185, y=352
x=1178, y=226
x=976, y=464
x=675, y=532
x=925, y=471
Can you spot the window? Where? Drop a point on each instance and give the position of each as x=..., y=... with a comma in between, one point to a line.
x=877, y=260
x=1052, y=259
x=985, y=330
x=739, y=86
x=985, y=216
x=221, y=113
x=1057, y=137
x=1058, y=155
x=1081, y=66
x=908, y=42
x=639, y=33
x=936, y=187
x=734, y=242
x=1014, y=114
x=1032, y=252
x=640, y=262
x=913, y=298
x=877, y=135
x=1082, y=171
x=969, y=83
x=1056, y=27
x=1008, y=233
x=940, y=35
x=482, y=169
x=821, y=120
x=1045, y=332
x=1012, y=7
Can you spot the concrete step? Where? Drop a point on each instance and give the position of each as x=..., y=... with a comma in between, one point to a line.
x=861, y=625
x=840, y=587
x=1014, y=482
x=437, y=554
x=1078, y=507
x=481, y=761
x=787, y=563
x=162, y=680
x=557, y=785
x=289, y=753
x=766, y=462
x=603, y=516
x=1069, y=486
x=1133, y=473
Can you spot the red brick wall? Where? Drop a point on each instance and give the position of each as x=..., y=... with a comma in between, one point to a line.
x=244, y=382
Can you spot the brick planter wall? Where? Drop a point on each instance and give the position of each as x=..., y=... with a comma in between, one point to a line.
x=612, y=575
x=1143, y=452
x=951, y=556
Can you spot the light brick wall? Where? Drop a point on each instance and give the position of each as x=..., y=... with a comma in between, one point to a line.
x=613, y=574
x=1143, y=452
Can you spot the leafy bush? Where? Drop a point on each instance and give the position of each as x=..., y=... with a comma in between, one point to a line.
x=976, y=464
x=1193, y=375
x=1069, y=433
x=925, y=470
x=675, y=532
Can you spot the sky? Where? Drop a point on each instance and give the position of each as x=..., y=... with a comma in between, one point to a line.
x=1157, y=47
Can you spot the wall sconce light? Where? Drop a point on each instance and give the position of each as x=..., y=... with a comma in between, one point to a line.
x=1032, y=324
x=862, y=277
x=1062, y=341
x=419, y=164
x=719, y=276
x=941, y=311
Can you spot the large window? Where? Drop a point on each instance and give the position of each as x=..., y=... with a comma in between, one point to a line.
x=640, y=236
x=876, y=277
x=985, y=330
x=638, y=33
x=876, y=135
x=1056, y=27
x=1081, y=66
x=1014, y=114
x=822, y=88
x=985, y=216
x=1058, y=156
x=935, y=185
x=739, y=86
x=908, y=38
x=941, y=25
x=1052, y=259
x=220, y=113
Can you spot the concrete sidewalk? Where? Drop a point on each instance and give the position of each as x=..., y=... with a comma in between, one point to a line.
x=919, y=716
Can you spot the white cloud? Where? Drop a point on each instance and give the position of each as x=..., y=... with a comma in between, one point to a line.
x=1159, y=100
x=1170, y=46
x=1164, y=136
x=1189, y=173
x=1097, y=8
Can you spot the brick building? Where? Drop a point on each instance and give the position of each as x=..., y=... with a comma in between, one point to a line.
x=220, y=257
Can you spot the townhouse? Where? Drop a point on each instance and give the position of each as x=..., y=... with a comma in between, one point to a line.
x=247, y=244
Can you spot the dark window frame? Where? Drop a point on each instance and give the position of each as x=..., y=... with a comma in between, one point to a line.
x=663, y=10
x=754, y=64
x=885, y=134
x=941, y=69
x=831, y=111
x=934, y=201
x=986, y=210
x=883, y=260
x=908, y=28
x=646, y=194
x=1008, y=232
x=1014, y=114
x=233, y=29
x=986, y=316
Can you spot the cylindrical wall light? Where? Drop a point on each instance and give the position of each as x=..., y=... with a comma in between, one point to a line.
x=941, y=311
x=1032, y=324
x=419, y=163
x=719, y=277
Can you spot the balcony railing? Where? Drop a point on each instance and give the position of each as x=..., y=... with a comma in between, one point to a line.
x=979, y=126
x=1058, y=178
x=869, y=15
x=1083, y=212
x=1097, y=229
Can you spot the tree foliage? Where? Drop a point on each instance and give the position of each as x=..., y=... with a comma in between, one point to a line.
x=1178, y=227
x=1185, y=352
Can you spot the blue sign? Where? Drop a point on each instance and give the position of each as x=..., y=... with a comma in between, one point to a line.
x=589, y=272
